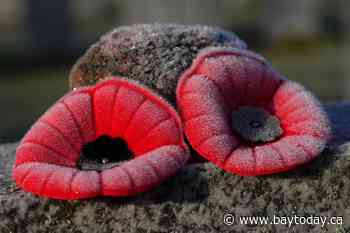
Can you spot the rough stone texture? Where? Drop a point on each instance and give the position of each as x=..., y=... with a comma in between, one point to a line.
x=153, y=54
x=196, y=199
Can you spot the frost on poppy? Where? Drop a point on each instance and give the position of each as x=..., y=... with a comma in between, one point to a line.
x=113, y=139
x=245, y=117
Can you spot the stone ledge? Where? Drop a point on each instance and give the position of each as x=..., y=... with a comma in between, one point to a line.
x=196, y=199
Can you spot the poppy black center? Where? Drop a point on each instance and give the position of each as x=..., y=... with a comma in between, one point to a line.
x=256, y=125
x=103, y=153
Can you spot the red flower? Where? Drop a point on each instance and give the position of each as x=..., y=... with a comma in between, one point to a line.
x=247, y=119
x=49, y=161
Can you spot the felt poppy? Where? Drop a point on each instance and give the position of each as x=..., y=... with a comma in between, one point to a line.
x=65, y=154
x=245, y=117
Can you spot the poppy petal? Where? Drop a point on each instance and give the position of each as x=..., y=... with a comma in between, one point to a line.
x=223, y=81
x=47, y=158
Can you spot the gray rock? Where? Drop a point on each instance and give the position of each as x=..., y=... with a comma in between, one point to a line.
x=152, y=54
x=196, y=199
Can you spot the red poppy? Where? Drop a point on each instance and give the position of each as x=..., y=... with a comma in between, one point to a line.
x=245, y=117
x=49, y=158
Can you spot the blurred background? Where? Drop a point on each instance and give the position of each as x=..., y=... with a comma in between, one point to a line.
x=308, y=41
